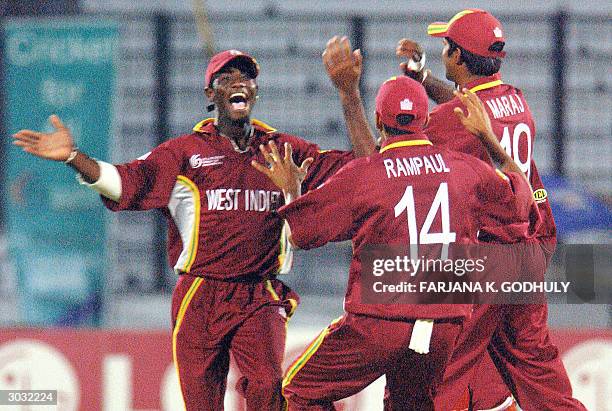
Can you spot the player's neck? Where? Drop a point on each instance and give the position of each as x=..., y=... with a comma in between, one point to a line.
x=238, y=131
x=468, y=78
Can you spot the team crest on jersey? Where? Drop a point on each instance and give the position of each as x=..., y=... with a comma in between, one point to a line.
x=195, y=161
x=540, y=195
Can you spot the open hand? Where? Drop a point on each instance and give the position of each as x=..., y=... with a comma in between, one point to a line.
x=343, y=66
x=56, y=145
x=283, y=172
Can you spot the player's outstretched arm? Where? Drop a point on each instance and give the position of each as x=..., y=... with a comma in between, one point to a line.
x=477, y=122
x=414, y=67
x=58, y=146
x=343, y=67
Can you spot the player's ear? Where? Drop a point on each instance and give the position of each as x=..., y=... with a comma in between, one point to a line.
x=457, y=56
x=209, y=92
x=378, y=123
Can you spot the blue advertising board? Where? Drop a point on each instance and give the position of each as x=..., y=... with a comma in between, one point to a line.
x=56, y=227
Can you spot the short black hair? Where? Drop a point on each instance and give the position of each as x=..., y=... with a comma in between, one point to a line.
x=478, y=65
x=402, y=119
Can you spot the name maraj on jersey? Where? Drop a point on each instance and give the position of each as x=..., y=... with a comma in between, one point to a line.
x=505, y=106
x=414, y=166
x=231, y=199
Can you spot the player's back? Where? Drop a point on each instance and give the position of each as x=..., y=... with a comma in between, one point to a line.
x=425, y=198
x=512, y=123
x=439, y=191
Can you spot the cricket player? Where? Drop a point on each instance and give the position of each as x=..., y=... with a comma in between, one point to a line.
x=539, y=380
x=376, y=200
x=473, y=43
x=225, y=240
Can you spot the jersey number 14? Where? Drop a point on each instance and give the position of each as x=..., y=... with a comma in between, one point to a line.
x=440, y=203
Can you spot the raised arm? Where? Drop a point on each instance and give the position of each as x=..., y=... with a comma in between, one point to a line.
x=284, y=173
x=414, y=67
x=59, y=146
x=344, y=69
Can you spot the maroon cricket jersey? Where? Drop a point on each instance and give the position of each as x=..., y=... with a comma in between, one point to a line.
x=220, y=211
x=512, y=124
x=410, y=192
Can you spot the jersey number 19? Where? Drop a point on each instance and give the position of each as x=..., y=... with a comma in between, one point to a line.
x=512, y=146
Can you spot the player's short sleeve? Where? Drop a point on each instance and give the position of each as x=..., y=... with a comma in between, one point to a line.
x=507, y=210
x=324, y=214
x=326, y=162
x=147, y=183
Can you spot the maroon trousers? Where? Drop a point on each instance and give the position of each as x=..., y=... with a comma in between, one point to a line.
x=356, y=350
x=517, y=338
x=213, y=318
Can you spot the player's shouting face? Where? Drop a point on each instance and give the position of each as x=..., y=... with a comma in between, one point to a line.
x=234, y=92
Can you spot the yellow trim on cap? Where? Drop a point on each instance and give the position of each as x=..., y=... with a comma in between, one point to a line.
x=437, y=28
x=485, y=86
x=407, y=143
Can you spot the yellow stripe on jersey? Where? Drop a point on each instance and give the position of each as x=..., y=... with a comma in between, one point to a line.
x=195, y=234
x=406, y=143
x=267, y=128
x=198, y=127
x=294, y=305
x=179, y=320
x=485, y=86
x=271, y=290
x=307, y=354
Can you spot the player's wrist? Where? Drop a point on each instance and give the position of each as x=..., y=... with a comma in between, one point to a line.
x=291, y=193
x=349, y=93
x=73, y=154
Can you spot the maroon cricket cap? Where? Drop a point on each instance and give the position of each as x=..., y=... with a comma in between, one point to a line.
x=219, y=60
x=402, y=95
x=474, y=30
